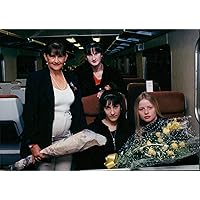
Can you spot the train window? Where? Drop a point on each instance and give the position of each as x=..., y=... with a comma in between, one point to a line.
x=158, y=66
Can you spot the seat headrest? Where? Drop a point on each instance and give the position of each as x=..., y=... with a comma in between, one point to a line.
x=91, y=104
x=170, y=101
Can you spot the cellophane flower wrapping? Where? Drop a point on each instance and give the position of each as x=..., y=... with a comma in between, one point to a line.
x=162, y=142
x=74, y=143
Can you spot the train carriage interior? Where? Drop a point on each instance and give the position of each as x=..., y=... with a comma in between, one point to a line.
x=160, y=56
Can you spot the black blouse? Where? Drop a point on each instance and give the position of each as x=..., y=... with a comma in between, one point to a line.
x=110, y=77
x=94, y=157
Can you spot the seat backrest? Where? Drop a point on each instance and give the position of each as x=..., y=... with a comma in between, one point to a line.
x=128, y=80
x=19, y=91
x=134, y=90
x=11, y=126
x=171, y=103
x=90, y=107
x=11, y=110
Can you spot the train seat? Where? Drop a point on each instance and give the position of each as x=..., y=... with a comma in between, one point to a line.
x=171, y=103
x=11, y=126
x=90, y=107
x=19, y=91
x=11, y=110
x=128, y=80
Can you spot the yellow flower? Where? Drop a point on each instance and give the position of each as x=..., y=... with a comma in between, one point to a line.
x=174, y=145
x=148, y=142
x=181, y=144
x=169, y=124
x=160, y=140
x=151, y=152
x=175, y=125
x=158, y=134
x=166, y=130
x=170, y=153
x=165, y=147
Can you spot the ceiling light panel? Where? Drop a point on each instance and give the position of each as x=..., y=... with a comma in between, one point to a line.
x=71, y=40
x=77, y=45
x=96, y=39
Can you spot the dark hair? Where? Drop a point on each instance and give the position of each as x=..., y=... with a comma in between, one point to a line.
x=56, y=48
x=110, y=97
x=93, y=45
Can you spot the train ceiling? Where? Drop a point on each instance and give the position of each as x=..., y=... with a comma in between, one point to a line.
x=112, y=40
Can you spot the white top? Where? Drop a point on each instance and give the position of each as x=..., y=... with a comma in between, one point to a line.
x=62, y=115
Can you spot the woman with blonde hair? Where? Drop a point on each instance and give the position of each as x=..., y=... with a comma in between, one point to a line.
x=146, y=110
x=157, y=140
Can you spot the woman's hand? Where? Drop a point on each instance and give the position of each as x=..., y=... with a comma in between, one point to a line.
x=106, y=87
x=100, y=93
x=35, y=150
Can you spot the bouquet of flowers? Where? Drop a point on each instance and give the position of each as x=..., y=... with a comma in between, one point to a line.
x=162, y=142
x=74, y=143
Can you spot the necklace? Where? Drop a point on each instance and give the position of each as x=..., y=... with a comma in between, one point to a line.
x=56, y=83
x=113, y=134
x=112, y=130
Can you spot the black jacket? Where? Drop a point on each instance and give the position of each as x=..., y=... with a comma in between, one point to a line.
x=110, y=76
x=94, y=157
x=38, y=113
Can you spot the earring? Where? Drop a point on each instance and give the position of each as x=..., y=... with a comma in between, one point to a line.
x=64, y=63
x=46, y=63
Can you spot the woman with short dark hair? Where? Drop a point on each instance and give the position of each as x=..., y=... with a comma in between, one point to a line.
x=95, y=76
x=52, y=110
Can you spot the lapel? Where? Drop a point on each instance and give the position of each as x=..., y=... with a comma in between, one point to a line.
x=48, y=87
x=71, y=82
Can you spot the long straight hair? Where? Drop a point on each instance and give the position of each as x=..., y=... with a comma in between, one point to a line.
x=152, y=100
